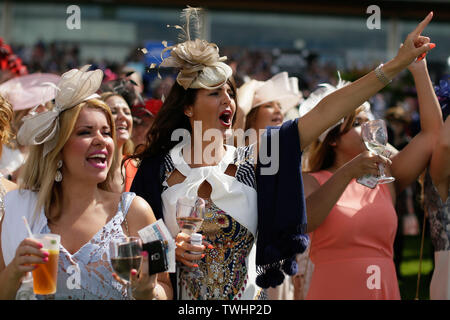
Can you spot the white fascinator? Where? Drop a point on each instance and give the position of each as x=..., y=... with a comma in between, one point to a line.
x=280, y=87
x=316, y=96
x=74, y=87
x=198, y=60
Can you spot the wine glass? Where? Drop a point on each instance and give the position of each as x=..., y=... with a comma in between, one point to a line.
x=190, y=214
x=125, y=255
x=374, y=134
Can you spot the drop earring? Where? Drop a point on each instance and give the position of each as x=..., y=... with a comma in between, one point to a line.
x=58, y=176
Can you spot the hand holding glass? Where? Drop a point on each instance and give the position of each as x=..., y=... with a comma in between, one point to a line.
x=125, y=255
x=374, y=134
x=190, y=214
x=45, y=275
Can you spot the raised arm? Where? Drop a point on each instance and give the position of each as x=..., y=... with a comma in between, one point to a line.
x=343, y=101
x=409, y=163
x=440, y=162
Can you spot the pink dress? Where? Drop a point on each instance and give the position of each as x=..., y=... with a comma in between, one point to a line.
x=352, y=250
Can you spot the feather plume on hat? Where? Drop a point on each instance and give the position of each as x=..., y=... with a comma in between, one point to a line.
x=198, y=60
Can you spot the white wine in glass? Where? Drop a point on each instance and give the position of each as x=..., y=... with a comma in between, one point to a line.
x=190, y=214
x=374, y=134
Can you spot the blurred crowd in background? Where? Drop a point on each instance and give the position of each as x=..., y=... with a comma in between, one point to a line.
x=397, y=103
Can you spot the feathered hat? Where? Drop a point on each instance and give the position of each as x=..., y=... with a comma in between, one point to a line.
x=198, y=60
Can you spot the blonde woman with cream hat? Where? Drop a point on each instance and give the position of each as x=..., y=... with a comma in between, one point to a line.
x=65, y=189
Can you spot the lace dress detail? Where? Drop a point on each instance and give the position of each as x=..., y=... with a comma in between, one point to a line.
x=86, y=275
x=439, y=215
x=2, y=194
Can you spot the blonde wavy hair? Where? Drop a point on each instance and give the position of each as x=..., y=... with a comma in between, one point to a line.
x=6, y=117
x=38, y=173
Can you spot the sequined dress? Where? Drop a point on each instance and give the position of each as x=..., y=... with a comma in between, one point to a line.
x=230, y=223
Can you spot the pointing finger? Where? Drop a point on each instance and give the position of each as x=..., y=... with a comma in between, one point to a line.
x=422, y=25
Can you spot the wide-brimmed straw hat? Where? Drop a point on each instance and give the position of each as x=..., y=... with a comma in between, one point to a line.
x=279, y=88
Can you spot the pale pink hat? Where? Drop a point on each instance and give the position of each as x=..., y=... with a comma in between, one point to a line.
x=29, y=91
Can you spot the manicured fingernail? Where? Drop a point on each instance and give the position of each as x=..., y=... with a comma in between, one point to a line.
x=145, y=254
x=114, y=275
x=203, y=255
x=432, y=45
x=421, y=56
x=133, y=272
x=40, y=245
x=45, y=259
x=45, y=253
x=210, y=246
x=195, y=265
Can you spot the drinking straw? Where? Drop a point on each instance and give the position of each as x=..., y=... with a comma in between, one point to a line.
x=28, y=227
x=47, y=275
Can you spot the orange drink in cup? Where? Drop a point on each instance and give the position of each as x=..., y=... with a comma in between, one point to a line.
x=45, y=275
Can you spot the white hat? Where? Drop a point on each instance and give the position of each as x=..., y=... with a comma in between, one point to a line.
x=279, y=88
x=324, y=90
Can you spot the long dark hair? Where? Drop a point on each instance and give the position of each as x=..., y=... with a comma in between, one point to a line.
x=169, y=118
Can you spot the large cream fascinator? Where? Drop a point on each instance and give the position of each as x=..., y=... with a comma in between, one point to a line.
x=280, y=87
x=74, y=87
x=198, y=60
x=324, y=90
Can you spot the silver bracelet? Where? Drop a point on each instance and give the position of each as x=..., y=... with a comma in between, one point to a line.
x=381, y=75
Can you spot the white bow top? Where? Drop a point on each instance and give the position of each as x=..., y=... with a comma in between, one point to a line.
x=235, y=198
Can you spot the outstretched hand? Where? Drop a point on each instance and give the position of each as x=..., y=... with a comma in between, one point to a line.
x=415, y=45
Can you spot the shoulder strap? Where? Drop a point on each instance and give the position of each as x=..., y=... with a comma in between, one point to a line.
x=125, y=202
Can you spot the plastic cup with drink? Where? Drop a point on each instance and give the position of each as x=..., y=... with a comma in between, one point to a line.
x=45, y=275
